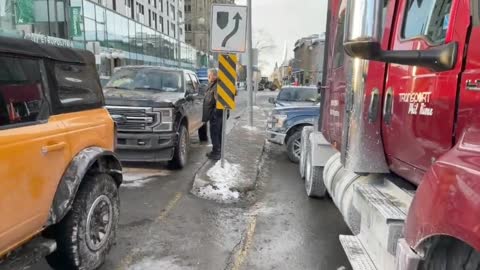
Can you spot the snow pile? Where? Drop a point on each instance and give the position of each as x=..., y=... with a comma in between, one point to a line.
x=250, y=128
x=223, y=183
x=167, y=263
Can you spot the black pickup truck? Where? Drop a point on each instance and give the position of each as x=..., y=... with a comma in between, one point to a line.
x=156, y=110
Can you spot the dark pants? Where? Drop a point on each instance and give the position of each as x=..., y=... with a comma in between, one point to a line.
x=216, y=130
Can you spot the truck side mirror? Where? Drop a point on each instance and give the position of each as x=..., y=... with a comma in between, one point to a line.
x=363, y=28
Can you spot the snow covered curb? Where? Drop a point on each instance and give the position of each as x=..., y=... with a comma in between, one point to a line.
x=222, y=185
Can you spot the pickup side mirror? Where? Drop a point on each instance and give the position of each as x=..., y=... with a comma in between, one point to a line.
x=271, y=100
x=363, y=34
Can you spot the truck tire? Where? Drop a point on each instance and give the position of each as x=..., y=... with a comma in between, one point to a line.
x=181, y=149
x=451, y=254
x=314, y=185
x=305, y=139
x=203, y=133
x=86, y=234
x=294, y=146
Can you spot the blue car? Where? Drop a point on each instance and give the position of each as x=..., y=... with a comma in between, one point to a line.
x=285, y=127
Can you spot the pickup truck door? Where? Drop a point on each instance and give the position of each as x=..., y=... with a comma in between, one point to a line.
x=33, y=151
x=194, y=119
x=420, y=104
x=198, y=102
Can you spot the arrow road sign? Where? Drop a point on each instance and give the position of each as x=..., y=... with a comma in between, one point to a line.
x=227, y=77
x=229, y=28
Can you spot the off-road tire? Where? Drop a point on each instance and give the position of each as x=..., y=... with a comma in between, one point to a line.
x=203, y=133
x=293, y=142
x=314, y=185
x=180, y=154
x=451, y=254
x=73, y=252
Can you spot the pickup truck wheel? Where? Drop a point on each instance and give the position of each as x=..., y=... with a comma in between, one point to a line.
x=314, y=185
x=294, y=146
x=181, y=149
x=451, y=254
x=203, y=133
x=86, y=234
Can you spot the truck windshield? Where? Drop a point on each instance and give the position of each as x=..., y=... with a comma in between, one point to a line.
x=146, y=79
x=298, y=94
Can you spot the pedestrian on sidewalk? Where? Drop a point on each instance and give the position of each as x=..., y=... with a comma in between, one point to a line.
x=213, y=115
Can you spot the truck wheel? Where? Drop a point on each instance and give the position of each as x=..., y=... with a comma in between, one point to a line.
x=314, y=185
x=86, y=234
x=305, y=149
x=181, y=149
x=203, y=133
x=294, y=146
x=452, y=254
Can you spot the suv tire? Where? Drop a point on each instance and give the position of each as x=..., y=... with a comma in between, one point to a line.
x=294, y=146
x=203, y=133
x=181, y=149
x=86, y=234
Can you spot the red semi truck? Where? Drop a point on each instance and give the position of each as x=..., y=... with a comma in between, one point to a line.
x=398, y=143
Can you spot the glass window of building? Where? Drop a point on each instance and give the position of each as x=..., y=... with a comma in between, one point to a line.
x=160, y=23
x=172, y=10
x=174, y=34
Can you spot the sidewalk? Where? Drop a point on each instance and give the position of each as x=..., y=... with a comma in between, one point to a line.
x=243, y=152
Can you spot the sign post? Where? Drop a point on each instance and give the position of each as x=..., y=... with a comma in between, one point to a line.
x=228, y=36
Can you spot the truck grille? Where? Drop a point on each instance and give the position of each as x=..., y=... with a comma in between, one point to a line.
x=136, y=119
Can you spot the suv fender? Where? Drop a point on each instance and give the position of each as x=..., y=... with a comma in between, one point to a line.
x=93, y=158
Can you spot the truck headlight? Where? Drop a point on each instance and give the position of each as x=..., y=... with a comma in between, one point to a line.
x=278, y=120
x=166, y=119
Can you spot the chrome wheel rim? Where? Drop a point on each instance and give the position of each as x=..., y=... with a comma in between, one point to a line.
x=307, y=176
x=99, y=222
x=297, y=148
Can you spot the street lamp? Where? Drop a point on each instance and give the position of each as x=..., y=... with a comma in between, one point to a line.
x=200, y=20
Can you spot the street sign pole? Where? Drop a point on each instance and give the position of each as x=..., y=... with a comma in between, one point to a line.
x=249, y=63
x=224, y=128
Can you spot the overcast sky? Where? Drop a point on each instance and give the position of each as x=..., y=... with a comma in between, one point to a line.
x=280, y=21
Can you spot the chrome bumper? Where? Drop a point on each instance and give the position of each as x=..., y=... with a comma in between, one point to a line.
x=276, y=137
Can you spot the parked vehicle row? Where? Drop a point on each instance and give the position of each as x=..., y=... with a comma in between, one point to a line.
x=62, y=140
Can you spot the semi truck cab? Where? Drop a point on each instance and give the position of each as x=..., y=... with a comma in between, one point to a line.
x=401, y=113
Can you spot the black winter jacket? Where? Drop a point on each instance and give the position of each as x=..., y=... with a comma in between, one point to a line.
x=210, y=102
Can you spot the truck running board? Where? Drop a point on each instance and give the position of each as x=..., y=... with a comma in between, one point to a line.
x=356, y=253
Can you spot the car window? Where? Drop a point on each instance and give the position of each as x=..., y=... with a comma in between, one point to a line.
x=429, y=18
x=195, y=81
x=298, y=94
x=146, y=79
x=21, y=91
x=77, y=86
x=189, y=83
x=339, y=52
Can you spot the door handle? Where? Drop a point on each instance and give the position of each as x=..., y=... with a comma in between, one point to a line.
x=473, y=85
x=388, y=106
x=373, y=108
x=53, y=147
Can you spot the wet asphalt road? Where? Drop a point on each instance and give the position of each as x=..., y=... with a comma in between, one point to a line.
x=163, y=226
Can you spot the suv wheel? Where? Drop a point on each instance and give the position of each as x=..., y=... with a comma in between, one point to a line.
x=181, y=149
x=203, y=133
x=294, y=146
x=84, y=237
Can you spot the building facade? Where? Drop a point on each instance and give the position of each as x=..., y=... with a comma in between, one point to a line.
x=307, y=65
x=197, y=27
x=120, y=32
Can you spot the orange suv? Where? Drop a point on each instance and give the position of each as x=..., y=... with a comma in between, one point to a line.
x=59, y=177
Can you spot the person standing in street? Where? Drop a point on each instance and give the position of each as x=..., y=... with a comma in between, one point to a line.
x=213, y=115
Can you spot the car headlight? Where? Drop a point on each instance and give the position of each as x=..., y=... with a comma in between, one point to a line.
x=166, y=119
x=278, y=120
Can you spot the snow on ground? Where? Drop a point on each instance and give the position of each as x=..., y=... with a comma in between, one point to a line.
x=249, y=128
x=139, y=177
x=167, y=263
x=224, y=180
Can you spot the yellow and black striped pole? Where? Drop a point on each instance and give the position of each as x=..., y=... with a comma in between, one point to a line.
x=226, y=91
